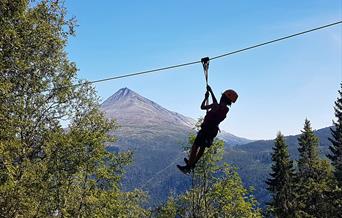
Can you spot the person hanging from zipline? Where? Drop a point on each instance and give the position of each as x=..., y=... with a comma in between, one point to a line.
x=216, y=113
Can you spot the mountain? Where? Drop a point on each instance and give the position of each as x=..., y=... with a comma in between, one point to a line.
x=157, y=136
x=142, y=121
x=134, y=110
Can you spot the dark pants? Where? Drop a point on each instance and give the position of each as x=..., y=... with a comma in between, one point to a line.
x=205, y=136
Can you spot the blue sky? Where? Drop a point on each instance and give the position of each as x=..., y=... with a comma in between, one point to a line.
x=279, y=85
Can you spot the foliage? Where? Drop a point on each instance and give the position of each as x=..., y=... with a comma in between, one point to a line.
x=46, y=170
x=308, y=151
x=231, y=198
x=281, y=182
x=217, y=191
x=169, y=209
x=336, y=156
x=314, y=179
x=336, y=140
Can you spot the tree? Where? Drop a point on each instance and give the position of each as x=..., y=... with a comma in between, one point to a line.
x=281, y=182
x=33, y=67
x=169, y=209
x=308, y=151
x=203, y=177
x=230, y=198
x=336, y=155
x=47, y=170
x=313, y=185
x=216, y=191
x=83, y=177
x=336, y=140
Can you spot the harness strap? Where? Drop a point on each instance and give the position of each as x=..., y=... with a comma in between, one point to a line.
x=205, y=64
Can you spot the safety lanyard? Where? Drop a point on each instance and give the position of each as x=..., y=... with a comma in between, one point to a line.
x=205, y=64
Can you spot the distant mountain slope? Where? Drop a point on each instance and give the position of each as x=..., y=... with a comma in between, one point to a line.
x=266, y=145
x=233, y=140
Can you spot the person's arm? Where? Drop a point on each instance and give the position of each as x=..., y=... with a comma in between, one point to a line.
x=212, y=94
x=203, y=106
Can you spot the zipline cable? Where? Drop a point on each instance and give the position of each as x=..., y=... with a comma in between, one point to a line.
x=143, y=72
x=162, y=170
x=213, y=58
x=276, y=40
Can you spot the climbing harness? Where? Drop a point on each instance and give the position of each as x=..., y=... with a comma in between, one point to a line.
x=205, y=64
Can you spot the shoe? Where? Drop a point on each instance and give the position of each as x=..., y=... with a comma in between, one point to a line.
x=187, y=163
x=184, y=169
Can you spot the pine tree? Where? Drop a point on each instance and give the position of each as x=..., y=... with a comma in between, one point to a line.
x=336, y=140
x=313, y=178
x=336, y=156
x=281, y=182
x=308, y=151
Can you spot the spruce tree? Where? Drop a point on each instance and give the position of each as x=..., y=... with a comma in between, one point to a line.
x=336, y=157
x=281, y=182
x=308, y=151
x=336, y=140
x=313, y=178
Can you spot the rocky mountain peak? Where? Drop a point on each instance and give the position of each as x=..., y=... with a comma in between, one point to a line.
x=123, y=94
x=127, y=106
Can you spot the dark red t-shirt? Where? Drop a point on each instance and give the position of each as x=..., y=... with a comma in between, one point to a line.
x=215, y=116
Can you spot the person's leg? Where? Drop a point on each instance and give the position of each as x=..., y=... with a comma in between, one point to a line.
x=193, y=154
x=199, y=154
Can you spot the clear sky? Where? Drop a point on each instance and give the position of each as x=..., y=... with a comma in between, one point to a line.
x=279, y=85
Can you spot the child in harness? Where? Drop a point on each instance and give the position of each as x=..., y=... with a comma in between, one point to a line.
x=216, y=113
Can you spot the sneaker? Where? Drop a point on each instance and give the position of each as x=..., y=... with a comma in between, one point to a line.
x=187, y=163
x=184, y=169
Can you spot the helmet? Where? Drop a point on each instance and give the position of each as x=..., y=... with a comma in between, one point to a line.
x=231, y=95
